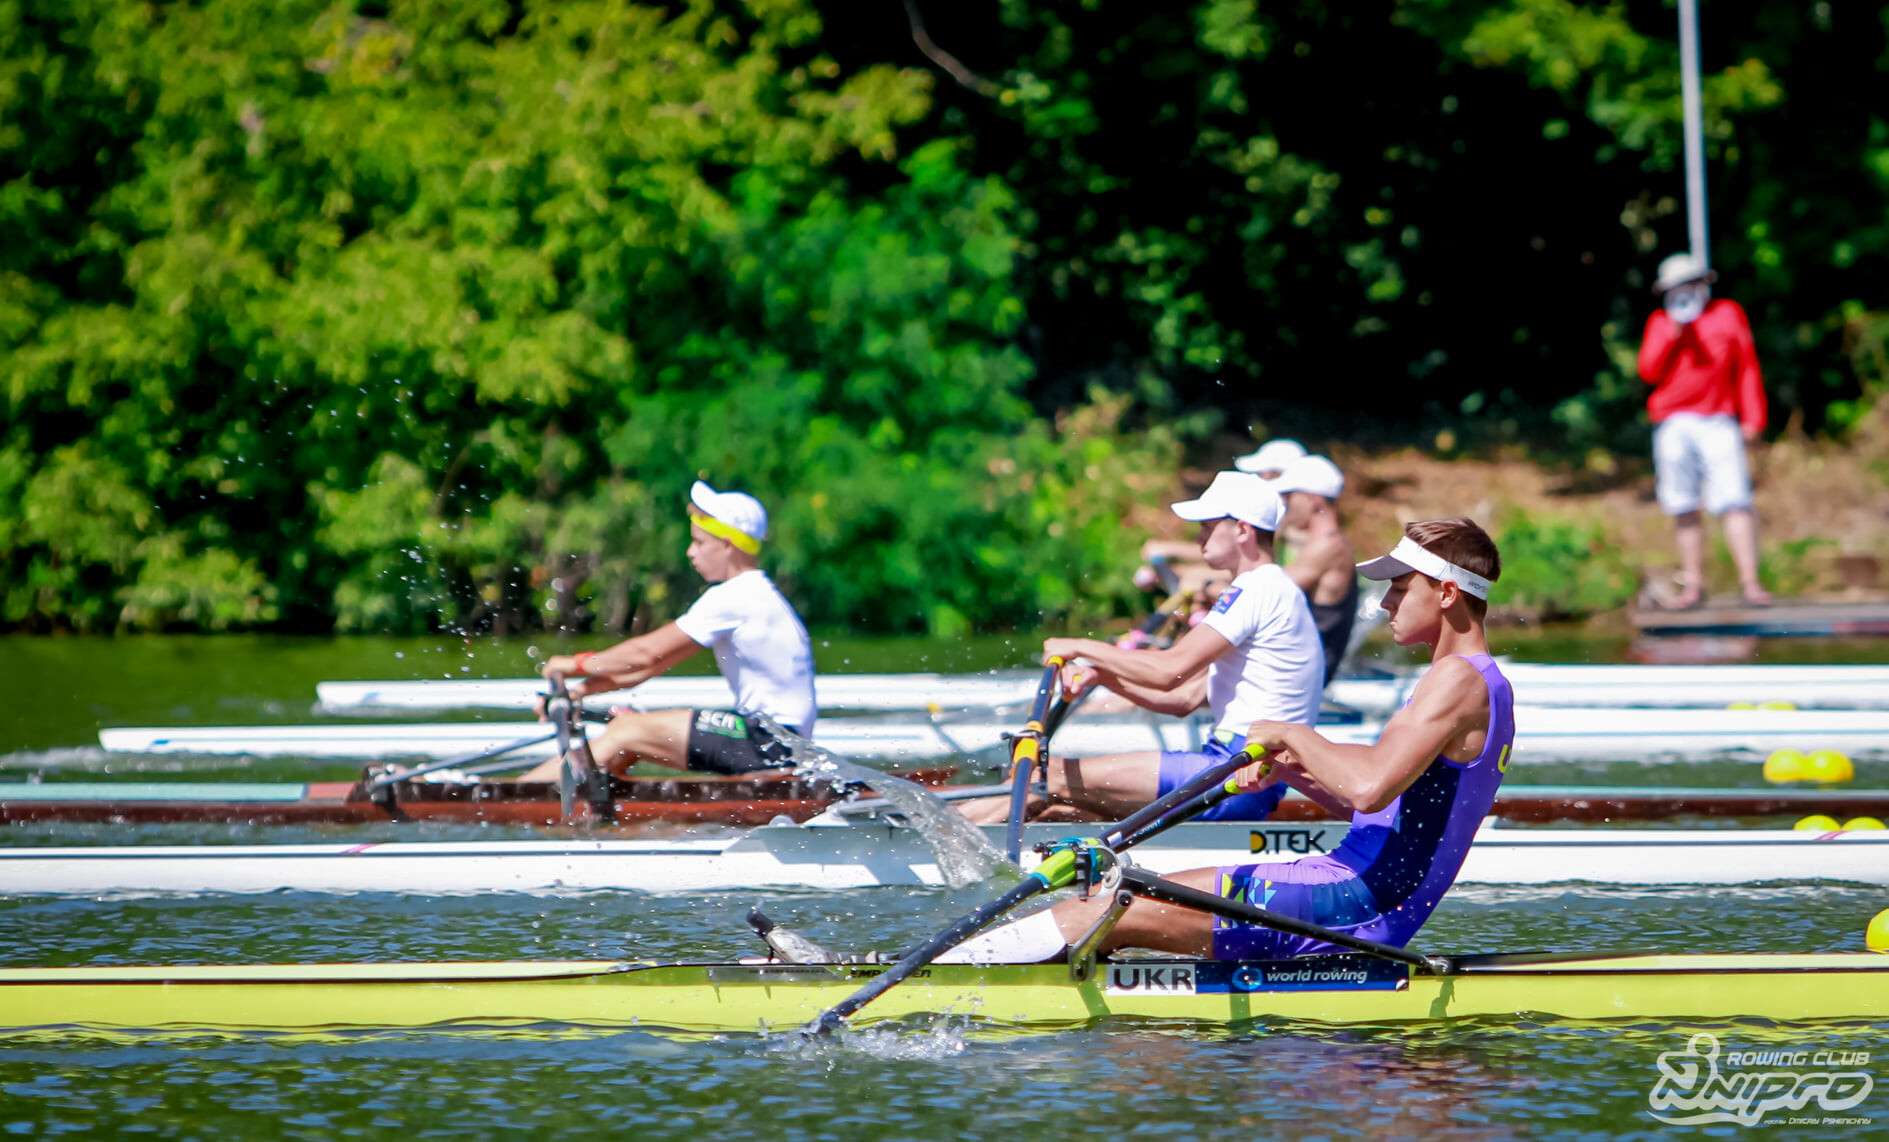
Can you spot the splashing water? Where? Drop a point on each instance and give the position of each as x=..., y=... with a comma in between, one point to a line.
x=964, y=857
x=787, y=944
x=942, y=1038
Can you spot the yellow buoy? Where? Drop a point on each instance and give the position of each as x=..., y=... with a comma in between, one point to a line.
x=1786, y=765
x=1741, y=705
x=1777, y=704
x=1864, y=824
x=1828, y=767
x=1817, y=824
x=1877, y=937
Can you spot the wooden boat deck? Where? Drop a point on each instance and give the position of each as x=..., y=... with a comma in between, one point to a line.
x=1785, y=619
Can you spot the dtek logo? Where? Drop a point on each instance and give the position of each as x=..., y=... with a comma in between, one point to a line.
x=1151, y=978
x=1286, y=840
x=1691, y=1091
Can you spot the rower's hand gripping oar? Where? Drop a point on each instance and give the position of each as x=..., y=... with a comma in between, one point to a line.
x=1058, y=870
x=1046, y=718
x=1026, y=754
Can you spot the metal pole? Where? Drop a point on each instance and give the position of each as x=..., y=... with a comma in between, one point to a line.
x=1694, y=129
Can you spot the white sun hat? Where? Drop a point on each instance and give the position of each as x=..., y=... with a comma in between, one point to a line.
x=1235, y=495
x=1271, y=456
x=1678, y=269
x=1408, y=556
x=1314, y=474
x=734, y=516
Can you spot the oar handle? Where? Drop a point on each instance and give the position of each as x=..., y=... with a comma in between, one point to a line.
x=1062, y=865
x=557, y=707
x=1208, y=788
x=1060, y=714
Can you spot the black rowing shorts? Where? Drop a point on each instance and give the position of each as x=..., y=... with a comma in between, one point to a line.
x=726, y=741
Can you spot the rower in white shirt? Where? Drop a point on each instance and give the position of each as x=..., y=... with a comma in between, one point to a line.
x=759, y=642
x=1255, y=656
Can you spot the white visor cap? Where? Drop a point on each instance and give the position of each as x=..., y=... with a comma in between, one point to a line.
x=738, y=510
x=1313, y=474
x=1272, y=456
x=1235, y=495
x=1407, y=557
x=1679, y=269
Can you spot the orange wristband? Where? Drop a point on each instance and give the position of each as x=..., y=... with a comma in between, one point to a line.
x=582, y=659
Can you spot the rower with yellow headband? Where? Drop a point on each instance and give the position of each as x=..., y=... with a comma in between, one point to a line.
x=759, y=642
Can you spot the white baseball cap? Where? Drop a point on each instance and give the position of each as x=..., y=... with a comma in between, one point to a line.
x=1408, y=556
x=734, y=516
x=1271, y=456
x=1678, y=269
x=1314, y=474
x=1235, y=495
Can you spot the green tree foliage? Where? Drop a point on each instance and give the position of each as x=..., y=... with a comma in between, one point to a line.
x=390, y=314
x=1295, y=205
x=428, y=313
x=1560, y=568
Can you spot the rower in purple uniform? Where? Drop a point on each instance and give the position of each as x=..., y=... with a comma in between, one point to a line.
x=1415, y=798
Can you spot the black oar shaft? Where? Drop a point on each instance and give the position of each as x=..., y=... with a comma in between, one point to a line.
x=925, y=953
x=1158, y=815
x=559, y=707
x=1055, y=872
x=1060, y=714
x=1026, y=752
x=1144, y=883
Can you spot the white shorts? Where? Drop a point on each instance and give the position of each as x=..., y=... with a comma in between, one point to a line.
x=1699, y=461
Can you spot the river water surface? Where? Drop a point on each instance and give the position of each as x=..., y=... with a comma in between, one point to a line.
x=933, y=1081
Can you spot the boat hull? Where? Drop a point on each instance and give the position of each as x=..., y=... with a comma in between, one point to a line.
x=1549, y=684
x=638, y=802
x=873, y=855
x=753, y=802
x=1543, y=733
x=748, y=998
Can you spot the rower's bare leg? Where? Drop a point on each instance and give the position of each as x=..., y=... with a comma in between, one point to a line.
x=1109, y=788
x=1046, y=935
x=1689, y=534
x=1741, y=536
x=1149, y=924
x=660, y=737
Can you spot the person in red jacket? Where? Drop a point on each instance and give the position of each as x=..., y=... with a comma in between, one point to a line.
x=1707, y=404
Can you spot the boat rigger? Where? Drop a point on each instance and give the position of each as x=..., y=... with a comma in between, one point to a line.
x=741, y=997
x=878, y=854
